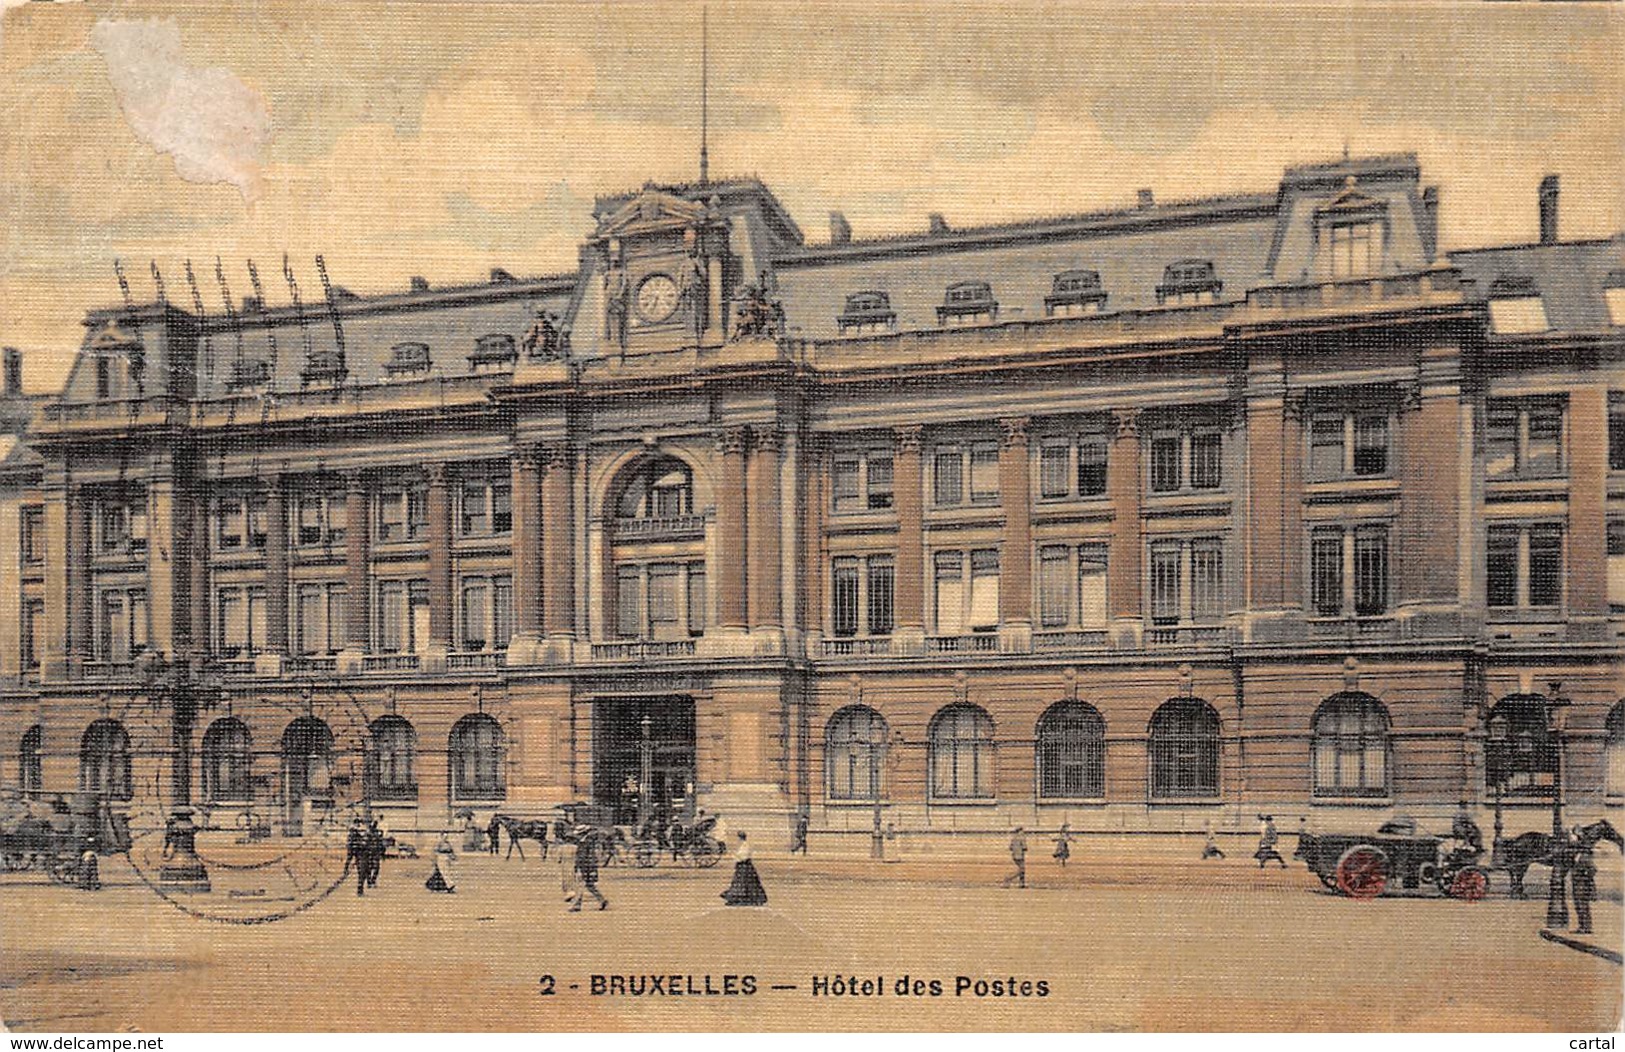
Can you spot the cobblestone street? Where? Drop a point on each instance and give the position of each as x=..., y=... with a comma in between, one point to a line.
x=1169, y=944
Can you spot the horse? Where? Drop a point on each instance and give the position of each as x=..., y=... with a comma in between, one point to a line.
x=523, y=829
x=1521, y=852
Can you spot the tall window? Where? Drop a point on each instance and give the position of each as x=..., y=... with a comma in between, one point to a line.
x=30, y=760
x=1614, y=748
x=1354, y=249
x=1520, y=753
x=104, y=760
x=33, y=536
x=1184, y=750
x=242, y=626
x=1071, y=740
x=961, y=747
x=1348, y=571
x=862, y=590
x=33, y=633
x=1523, y=438
x=660, y=601
x=1186, y=582
x=1616, y=416
x=486, y=617
x=1616, y=566
x=403, y=514
x=1350, y=746
x=403, y=616
x=477, y=755
x=967, y=591
x=390, y=759
x=1073, y=466
x=122, y=633
x=485, y=507
x=320, y=618
x=1190, y=458
x=861, y=480
x=1348, y=445
x=1072, y=585
x=228, y=761
x=950, y=592
x=1524, y=567
x=855, y=753
x=965, y=474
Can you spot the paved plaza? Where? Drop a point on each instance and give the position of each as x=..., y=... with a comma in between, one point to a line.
x=1168, y=943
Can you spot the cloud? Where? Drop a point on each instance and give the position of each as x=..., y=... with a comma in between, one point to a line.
x=212, y=124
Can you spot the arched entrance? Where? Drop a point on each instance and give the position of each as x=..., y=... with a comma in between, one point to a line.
x=307, y=773
x=622, y=744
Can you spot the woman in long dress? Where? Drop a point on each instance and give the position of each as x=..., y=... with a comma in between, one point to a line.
x=746, y=889
x=445, y=859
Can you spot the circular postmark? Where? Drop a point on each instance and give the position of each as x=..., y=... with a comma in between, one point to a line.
x=263, y=833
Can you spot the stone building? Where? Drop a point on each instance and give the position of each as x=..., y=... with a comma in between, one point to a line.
x=1146, y=519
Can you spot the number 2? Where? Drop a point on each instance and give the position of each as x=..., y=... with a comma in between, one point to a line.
x=547, y=985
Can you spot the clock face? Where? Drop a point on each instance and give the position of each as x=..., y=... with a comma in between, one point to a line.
x=657, y=298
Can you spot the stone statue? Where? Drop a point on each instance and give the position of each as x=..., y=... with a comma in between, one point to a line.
x=756, y=314
x=546, y=339
x=615, y=291
x=691, y=289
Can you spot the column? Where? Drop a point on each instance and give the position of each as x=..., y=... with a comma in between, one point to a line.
x=1275, y=451
x=276, y=568
x=1425, y=550
x=357, y=632
x=1016, y=559
x=558, y=544
x=81, y=616
x=909, y=494
x=814, y=466
x=440, y=599
x=1123, y=557
x=166, y=567
x=764, y=532
x=731, y=530
x=59, y=556
x=527, y=544
x=202, y=623
x=1587, y=457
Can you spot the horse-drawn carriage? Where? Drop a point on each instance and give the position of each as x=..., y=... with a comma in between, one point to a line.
x=694, y=842
x=1363, y=866
x=51, y=838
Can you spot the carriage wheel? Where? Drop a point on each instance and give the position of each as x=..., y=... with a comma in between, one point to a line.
x=1469, y=884
x=708, y=853
x=1362, y=872
x=1328, y=879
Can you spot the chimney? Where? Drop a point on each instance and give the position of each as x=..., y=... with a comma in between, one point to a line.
x=840, y=231
x=939, y=225
x=1146, y=198
x=420, y=284
x=14, y=372
x=1548, y=210
x=1430, y=215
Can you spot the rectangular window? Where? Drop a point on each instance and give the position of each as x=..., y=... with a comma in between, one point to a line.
x=1616, y=423
x=1054, y=470
x=115, y=642
x=878, y=469
x=1523, y=438
x=310, y=520
x=881, y=585
x=1545, y=566
x=417, y=615
x=1501, y=440
x=115, y=526
x=392, y=632
x=391, y=517
x=1501, y=566
x=1054, y=586
x=417, y=513
x=1326, y=573
x=33, y=641
x=476, y=599
x=138, y=623
x=33, y=536
x=104, y=379
x=984, y=589
x=1351, y=249
x=1207, y=460
x=697, y=617
x=1207, y=579
x=1371, y=444
x=950, y=593
x=629, y=602
x=844, y=484
x=664, y=610
x=258, y=515
x=1092, y=585
x=338, y=518
x=476, y=518
x=231, y=525
x=1091, y=465
x=1326, y=446
x=1166, y=476
x=1165, y=574
x=1545, y=423
x=949, y=484
x=1370, y=571
x=337, y=617
x=258, y=633
x=310, y=612
x=233, y=639
x=501, y=507
x=984, y=473
x=844, y=596
x=1616, y=566
x=501, y=612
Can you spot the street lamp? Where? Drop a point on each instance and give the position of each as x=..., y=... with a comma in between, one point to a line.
x=646, y=766
x=1497, y=762
x=182, y=870
x=1557, y=909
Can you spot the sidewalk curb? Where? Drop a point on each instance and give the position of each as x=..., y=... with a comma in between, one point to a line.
x=1579, y=944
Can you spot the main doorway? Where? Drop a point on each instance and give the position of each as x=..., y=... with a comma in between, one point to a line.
x=631, y=733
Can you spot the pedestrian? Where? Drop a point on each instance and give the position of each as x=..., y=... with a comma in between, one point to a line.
x=1063, y=844
x=355, y=854
x=1267, y=839
x=1018, y=855
x=89, y=876
x=375, y=846
x=586, y=867
x=798, y=833
x=493, y=836
x=568, y=847
x=445, y=860
x=1464, y=829
x=1583, y=882
x=746, y=889
x=1210, y=849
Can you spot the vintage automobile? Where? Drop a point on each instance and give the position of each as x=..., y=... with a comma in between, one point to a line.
x=1363, y=866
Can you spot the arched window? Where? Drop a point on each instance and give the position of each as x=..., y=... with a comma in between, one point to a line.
x=855, y=753
x=961, y=754
x=228, y=761
x=1614, y=749
x=1520, y=757
x=104, y=760
x=1184, y=750
x=476, y=758
x=1071, y=752
x=1350, y=747
x=389, y=761
x=31, y=771
x=307, y=759
x=660, y=489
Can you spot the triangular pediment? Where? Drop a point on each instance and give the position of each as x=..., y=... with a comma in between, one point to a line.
x=1351, y=199
x=651, y=210
x=111, y=336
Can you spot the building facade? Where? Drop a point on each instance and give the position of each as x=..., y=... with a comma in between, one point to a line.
x=1143, y=520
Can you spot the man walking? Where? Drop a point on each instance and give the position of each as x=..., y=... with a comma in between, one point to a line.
x=798, y=833
x=587, y=872
x=1018, y=855
x=1267, y=839
x=355, y=854
x=374, y=851
x=1583, y=883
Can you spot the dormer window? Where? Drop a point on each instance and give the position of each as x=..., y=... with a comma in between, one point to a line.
x=493, y=353
x=1350, y=234
x=407, y=360
x=1074, y=293
x=1188, y=282
x=968, y=303
x=1516, y=306
x=866, y=313
x=1613, y=294
x=248, y=373
x=1355, y=249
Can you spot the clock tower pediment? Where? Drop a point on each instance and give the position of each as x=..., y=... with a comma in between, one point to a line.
x=651, y=211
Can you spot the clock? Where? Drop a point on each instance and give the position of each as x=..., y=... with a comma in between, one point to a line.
x=657, y=298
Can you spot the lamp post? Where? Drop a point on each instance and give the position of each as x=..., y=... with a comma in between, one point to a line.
x=182, y=869
x=1496, y=764
x=1557, y=908
x=883, y=756
x=646, y=766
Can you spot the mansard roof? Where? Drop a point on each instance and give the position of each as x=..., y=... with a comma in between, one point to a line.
x=1569, y=277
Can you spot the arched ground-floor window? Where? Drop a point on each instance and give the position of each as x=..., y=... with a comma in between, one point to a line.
x=1184, y=746
x=961, y=748
x=476, y=751
x=30, y=766
x=1071, y=746
x=228, y=761
x=390, y=760
x=104, y=760
x=1350, y=746
x=855, y=753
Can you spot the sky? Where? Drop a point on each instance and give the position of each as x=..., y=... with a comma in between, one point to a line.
x=444, y=139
